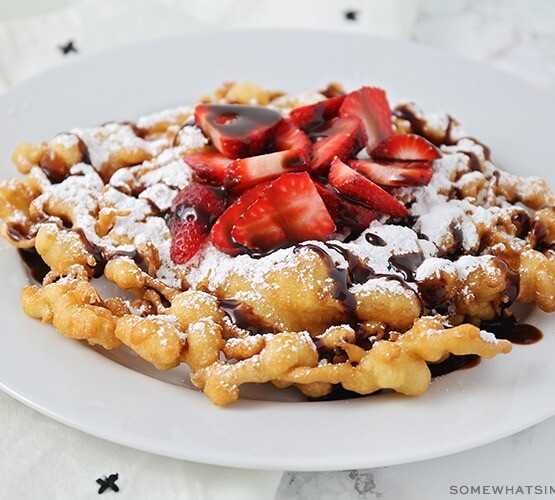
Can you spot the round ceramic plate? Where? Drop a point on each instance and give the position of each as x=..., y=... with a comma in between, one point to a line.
x=127, y=403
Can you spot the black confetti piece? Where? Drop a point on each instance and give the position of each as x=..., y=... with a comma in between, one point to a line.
x=107, y=482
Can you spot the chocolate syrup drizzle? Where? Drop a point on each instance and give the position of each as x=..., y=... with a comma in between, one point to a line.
x=418, y=126
x=354, y=272
x=242, y=316
x=39, y=269
x=55, y=167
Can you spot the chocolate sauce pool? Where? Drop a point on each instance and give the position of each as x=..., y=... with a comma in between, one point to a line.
x=34, y=263
x=453, y=363
x=510, y=329
x=504, y=328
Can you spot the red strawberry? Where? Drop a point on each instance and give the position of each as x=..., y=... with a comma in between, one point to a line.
x=209, y=167
x=194, y=209
x=395, y=174
x=341, y=137
x=237, y=130
x=361, y=190
x=205, y=200
x=288, y=211
x=289, y=136
x=343, y=212
x=314, y=115
x=221, y=231
x=246, y=172
x=370, y=105
x=187, y=238
x=406, y=147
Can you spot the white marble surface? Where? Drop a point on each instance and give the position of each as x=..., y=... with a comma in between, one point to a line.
x=516, y=36
x=523, y=460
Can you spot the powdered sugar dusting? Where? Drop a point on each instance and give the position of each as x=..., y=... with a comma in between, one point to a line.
x=166, y=116
x=67, y=141
x=107, y=141
x=191, y=138
x=488, y=337
x=138, y=195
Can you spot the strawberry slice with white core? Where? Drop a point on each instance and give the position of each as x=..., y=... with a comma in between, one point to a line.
x=406, y=147
x=314, y=115
x=193, y=212
x=237, y=130
x=395, y=174
x=288, y=211
x=209, y=167
x=341, y=137
x=370, y=105
x=359, y=189
x=289, y=136
x=221, y=230
x=246, y=172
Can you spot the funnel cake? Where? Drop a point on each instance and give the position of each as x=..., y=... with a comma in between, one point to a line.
x=321, y=240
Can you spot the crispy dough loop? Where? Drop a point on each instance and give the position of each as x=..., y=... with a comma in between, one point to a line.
x=289, y=358
x=281, y=353
x=471, y=288
x=243, y=347
x=26, y=155
x=401, y=365
x=534, y=193
x=388, y=303
x=241, y=93
x=192, y=306
x=15, y=198
x=204, y=343
x=125, y=273
x=62, y=250
x=156, y=339
x=537, y=279
x=75, y=309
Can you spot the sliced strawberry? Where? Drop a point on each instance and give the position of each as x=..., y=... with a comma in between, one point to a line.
x=206, y=201
x=193, y=212
x=246, y=172
x=221, y=231
x=406, y=147
x=360, y=189
x=395, y=174
x=341, y=137
x=187, y=237
x=370, y=105
x=343, y=212
x=288, y=211
x=289, y=136
x=314, y=115
x=237, y=130
x=209, y=167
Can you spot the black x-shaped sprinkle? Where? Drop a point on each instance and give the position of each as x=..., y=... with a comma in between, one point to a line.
x=107, y=482
x=351, y=15
x=68, y=47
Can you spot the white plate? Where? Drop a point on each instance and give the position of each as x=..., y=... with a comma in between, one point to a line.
x=74, y=384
